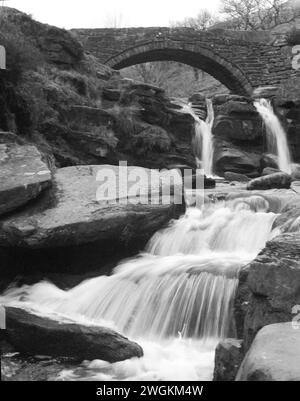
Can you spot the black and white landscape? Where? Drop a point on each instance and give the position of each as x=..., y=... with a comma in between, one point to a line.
x=150, y=195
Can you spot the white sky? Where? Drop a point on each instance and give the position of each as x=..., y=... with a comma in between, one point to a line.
x=102, y=13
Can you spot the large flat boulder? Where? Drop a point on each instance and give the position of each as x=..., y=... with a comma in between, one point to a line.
x=72, y=229
x=23, y=173
x=274, y=355
x=34, y=334
x=76, y=216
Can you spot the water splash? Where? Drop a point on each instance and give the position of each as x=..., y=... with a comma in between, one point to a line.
x=276, y=135
x=184, y=282
x=175, y=299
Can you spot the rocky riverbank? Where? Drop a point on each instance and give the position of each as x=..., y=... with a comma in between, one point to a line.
x=267, y=303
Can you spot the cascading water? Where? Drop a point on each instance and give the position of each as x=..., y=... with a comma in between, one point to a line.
x=276, y=135
x=175, y=299
x=203, y=142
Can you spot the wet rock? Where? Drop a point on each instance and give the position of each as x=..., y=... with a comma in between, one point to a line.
x=274, y=355
x=34, y=334
x=238, y=109
x=238, y=136
x=275, y=180
x=238, y=128
x=269, y=287
x=296, y=174
x=289, y=218
x=233, y=159
x=228, y=358
x=269, y=170
x=20, y=368
x=230, y=176
x=199, y=181
x=296, y=186
x=209, y=182
x=269, y=160
x=75, y=226
x=23, y=173
x=77, y=217
x=198, y=102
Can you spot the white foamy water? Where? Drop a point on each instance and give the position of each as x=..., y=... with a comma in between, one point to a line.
x=276, y=135
x=175, y=299
x=203, y=142
x=174, y=360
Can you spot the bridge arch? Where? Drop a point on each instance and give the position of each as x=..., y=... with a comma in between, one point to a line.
x=187, y=53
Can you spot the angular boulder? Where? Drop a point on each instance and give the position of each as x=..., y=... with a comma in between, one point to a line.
x=269, y=171
x=274, y=355
x=33, y=334
x=293, y=128
x=269, y=160
x=237, y=120
x=269, y=287
x=238, y=136
x=228, y=358
x=275, y=180
x=23, y=173
x=237, y=128
x=229, y=158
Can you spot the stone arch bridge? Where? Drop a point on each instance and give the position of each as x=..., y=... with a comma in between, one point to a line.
x=241, y=61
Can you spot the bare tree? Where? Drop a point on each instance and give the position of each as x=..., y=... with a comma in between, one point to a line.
x=176, y=79
x=114, y=20
x=204, y=20
x=258, y=14
x=155, y=73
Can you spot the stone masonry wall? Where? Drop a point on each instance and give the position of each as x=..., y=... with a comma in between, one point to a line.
x=251, y=59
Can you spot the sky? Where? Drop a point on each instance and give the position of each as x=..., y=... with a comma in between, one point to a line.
x=103, y=13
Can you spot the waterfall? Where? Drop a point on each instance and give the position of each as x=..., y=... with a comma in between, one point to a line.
x=276, y=135
x=175, y=299
x=203, y=142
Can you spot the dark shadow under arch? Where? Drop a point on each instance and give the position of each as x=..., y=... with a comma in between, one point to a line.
x=205, y=59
